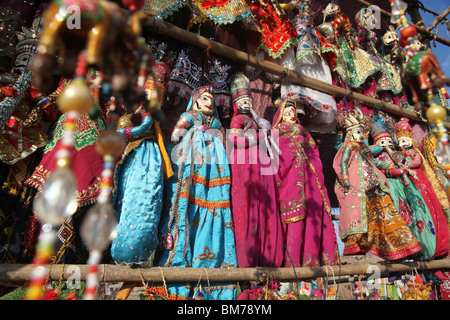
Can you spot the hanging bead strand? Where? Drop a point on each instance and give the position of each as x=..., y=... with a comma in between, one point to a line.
x=98, y=228
x=58, y=200
x=53, y=218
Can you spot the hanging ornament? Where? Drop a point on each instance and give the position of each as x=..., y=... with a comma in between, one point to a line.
x=58, y=200
x=57, y=203
x=98, y=227
x=398, y=10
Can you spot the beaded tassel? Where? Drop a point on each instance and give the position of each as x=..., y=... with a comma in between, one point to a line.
x=103, y=202
x=47, y=238
x=44, y=252
x=58, y=200
x=99, y=225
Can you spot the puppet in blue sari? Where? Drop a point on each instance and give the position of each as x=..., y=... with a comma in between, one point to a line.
x=198, y=229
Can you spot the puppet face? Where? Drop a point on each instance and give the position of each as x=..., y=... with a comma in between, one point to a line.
x=204, y=104
x=245, y=103
x=357, y=134
x=390, y=38
x=405, y=142
x=369, y=19
x=94, y=79
x=153, y=92
x=386, y=142
x=420, y=46
x=289, y=114
x=22, y=62
x=330, y=9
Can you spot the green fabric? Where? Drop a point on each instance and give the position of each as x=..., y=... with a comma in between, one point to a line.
x=419, y=213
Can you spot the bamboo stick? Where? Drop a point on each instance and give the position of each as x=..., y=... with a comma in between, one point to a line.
x=120, y=273
x=169, y=30
x=438, y=19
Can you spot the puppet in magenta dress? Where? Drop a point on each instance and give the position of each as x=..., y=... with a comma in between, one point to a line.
x=424, y=182
x=257, y=222
x=310, y=238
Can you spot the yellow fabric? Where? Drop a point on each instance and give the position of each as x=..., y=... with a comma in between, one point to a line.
x=167, y=166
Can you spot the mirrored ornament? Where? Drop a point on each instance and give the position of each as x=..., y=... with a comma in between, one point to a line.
x=98, y=227
x=398, y=7
x=58, y=200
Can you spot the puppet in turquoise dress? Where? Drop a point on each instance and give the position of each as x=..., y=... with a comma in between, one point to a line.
x=198, y=229
x=139, y=179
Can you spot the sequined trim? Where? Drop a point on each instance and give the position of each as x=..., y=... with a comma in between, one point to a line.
x=209, y=183
x=219, y=204
x=84, y=197
x=87, y=132
x=162, y=9
x=225, y=11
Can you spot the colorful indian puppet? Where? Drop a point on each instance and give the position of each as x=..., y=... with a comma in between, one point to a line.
x=389, y=82
x=22, y=140
x=406, y=196
x=138, y=186
x=427, y=184
x=197, y=228
x=139, y=180
x=86, y=165
x=354, y=66
x=369, y=221
x=310, y=238
x=390, y=49
x=278, y=33
x=257, y=222
x=227, y=22
x=313, y=56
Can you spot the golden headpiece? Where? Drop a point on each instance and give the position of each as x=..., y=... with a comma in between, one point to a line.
x=354, y=119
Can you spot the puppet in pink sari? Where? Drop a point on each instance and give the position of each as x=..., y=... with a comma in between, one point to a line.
x=258, y=230
x=310, y=238
x=425, y=176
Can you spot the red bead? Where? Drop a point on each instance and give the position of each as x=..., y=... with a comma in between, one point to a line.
x=39, y=261
x=133, y=5
x=90, y=290
x=93, y=269
x=408, y=31
x=403, y=42
x=38, y=282
x=107, y=180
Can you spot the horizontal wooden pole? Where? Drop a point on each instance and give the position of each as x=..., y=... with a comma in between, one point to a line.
x=120, y=273
x=169, y=30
